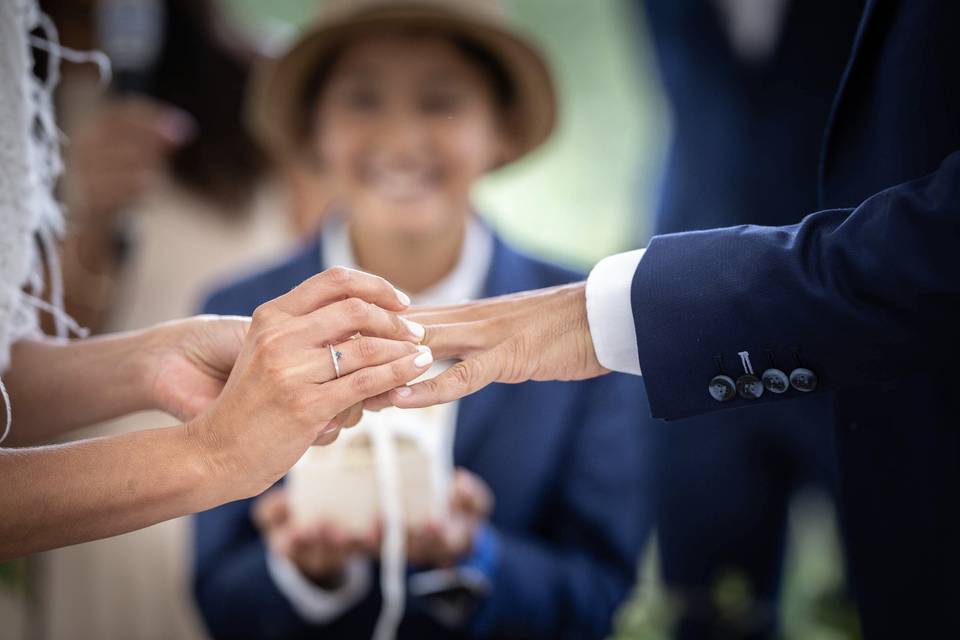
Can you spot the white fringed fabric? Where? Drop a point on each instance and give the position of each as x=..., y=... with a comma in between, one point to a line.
x=30, y=216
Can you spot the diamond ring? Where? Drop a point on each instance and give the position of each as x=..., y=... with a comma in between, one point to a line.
x=335, y=356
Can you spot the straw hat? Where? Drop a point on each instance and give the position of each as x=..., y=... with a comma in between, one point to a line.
x=276, y=100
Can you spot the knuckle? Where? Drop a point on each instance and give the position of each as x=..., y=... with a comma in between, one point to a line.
x=365, y=382
x=340, y=276
x=399, y=372
x=431, y=386
x=367, y=349
x=464, y=372
x=263, y=314
x=398, y=325
x=355, y=309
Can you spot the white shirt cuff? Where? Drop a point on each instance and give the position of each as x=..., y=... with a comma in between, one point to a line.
x=313, y=604
x=610, y=313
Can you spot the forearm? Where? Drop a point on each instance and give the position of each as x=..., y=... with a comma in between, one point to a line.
x=65, y=494
x=55, y=386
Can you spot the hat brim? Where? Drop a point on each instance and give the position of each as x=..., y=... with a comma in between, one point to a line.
x=276, y=99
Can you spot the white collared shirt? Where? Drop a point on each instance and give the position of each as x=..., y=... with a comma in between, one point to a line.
x=464, y=282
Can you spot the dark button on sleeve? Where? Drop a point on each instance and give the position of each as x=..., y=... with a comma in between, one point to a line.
x=803, y=379
x=775, y=381
x=749, y=387
x=722, y=388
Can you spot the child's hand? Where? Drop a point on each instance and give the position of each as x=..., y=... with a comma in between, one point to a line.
x=320, y=552
x=441, y=544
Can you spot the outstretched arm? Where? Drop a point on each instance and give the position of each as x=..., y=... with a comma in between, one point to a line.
x=179, y=367
x=859, y=296
x=533, y=335
x=282, y=395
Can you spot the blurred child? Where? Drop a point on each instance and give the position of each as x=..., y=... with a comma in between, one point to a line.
x=405, y=106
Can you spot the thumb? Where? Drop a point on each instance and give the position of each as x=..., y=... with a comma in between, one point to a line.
x=461, y=379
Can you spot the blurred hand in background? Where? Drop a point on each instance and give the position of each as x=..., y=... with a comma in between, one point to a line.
x=443, y=543
x=119, y=152
x=321, y=551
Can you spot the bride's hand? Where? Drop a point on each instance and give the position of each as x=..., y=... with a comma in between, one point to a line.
x=283, y=393
x=191, y=361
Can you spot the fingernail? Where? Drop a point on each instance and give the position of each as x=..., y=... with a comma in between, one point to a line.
x=331, y=426
x=425, y=357
x=180, y=126
x=415, y=328
x=403, y=392
x=402, y=297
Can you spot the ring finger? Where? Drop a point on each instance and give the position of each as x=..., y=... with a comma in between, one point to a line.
x=350, y=355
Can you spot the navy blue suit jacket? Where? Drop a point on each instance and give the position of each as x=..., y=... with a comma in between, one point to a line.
x=746, y=133
x=562, y=459
x=865, y=292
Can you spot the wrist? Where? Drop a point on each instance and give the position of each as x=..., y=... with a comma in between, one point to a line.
x=154, y=342
x=609, y=310
x=124, y=356
x=216, y=463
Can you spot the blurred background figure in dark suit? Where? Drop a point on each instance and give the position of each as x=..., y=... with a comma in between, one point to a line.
x=750, y=86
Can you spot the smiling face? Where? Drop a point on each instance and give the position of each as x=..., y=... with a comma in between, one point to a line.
x=405, y=124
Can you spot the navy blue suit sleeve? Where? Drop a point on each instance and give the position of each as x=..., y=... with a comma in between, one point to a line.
x=861, y=296
x=569, y=579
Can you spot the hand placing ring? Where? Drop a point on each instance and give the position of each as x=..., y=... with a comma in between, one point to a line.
x=349, y=355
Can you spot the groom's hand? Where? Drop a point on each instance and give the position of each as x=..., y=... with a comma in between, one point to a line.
x=535, y=335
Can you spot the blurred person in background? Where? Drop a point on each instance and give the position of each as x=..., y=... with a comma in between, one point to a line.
x=406, y=105
x=163, y=183
x=165, y=191
x=749, y=100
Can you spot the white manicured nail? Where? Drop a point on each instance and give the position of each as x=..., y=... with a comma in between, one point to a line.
x=425, y=357
x=415, y=328
x=330, y=428
x=403, y=298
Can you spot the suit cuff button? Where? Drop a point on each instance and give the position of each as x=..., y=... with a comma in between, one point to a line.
x=722, y=388
x=803, y=379
x=749, y=387
x=775, y=381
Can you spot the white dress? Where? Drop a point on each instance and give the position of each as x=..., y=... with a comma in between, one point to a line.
x=29, y=163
